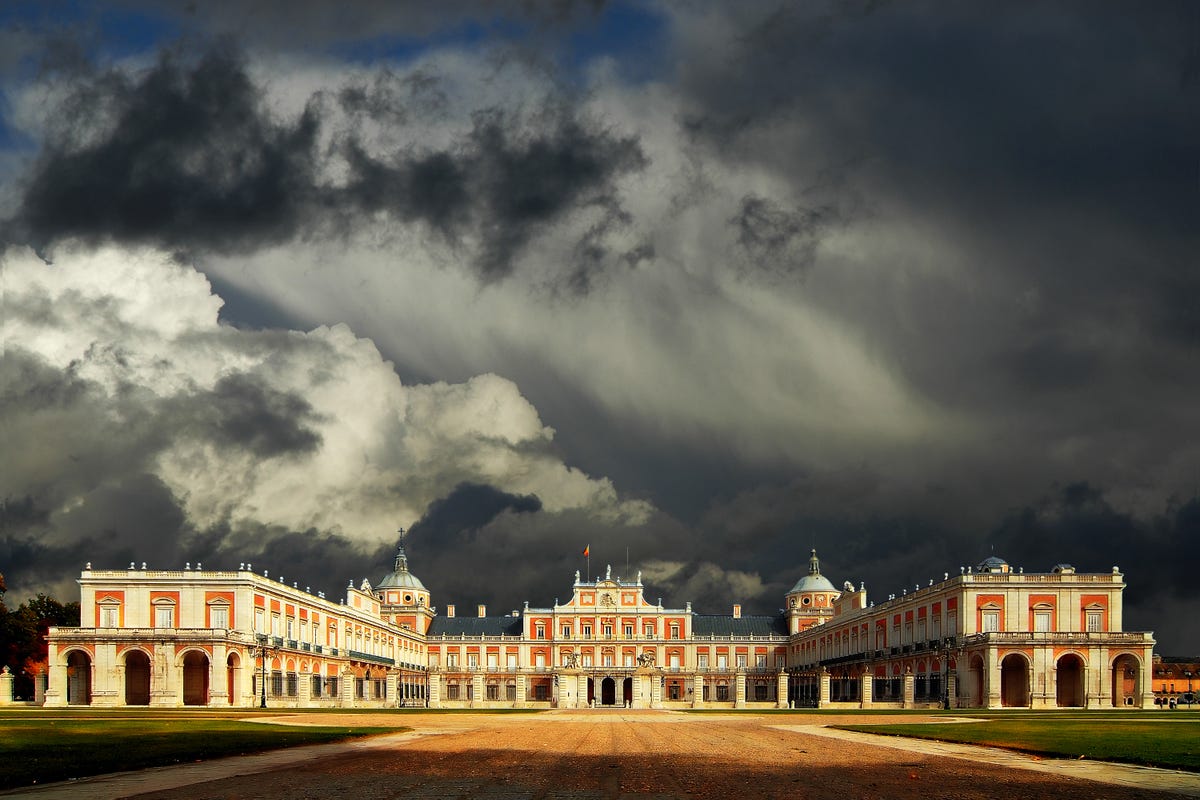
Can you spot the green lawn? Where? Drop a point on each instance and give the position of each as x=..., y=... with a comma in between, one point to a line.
x=1161, y=740
x=41, y=747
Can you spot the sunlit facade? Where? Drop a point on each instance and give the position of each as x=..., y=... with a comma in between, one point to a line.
x=988, y=636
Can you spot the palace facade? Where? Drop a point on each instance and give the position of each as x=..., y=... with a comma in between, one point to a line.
x=986, y=637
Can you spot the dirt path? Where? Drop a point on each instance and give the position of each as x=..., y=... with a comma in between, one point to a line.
x=615, y=754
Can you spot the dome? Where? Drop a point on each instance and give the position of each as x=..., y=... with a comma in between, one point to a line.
x=400, y=577
x=814, y=581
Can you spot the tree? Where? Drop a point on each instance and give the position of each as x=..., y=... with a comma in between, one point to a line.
x=23, y=646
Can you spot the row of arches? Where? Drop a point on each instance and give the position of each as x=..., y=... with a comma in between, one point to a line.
x=1070, y=689
x=137, y=664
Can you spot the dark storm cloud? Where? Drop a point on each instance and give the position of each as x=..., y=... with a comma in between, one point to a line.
x=183, y=155
x=500, y=184
x=455, y=520
x=243, y=411
x=778, y=239
x=186, y=156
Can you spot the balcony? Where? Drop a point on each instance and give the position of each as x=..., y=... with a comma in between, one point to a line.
x=370, y=658
x=1057, y=637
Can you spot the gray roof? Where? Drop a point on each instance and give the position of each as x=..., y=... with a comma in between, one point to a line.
x=475, y=626
x=715, y=625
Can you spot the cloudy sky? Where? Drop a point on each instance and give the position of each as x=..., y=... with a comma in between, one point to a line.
x=702, y=285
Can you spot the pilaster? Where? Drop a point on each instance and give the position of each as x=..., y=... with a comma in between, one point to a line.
x=866, y=689
x=910, y=688
x=698, y=691
x=522, y=691
x=781, y=688
x=739, y=696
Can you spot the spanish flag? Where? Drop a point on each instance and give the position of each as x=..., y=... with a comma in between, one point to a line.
x=587, y=551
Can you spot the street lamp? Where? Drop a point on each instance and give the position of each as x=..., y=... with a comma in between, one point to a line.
x=263, y=649
x=1188, y=674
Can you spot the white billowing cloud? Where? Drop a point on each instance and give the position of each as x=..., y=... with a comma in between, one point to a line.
x=138, y=324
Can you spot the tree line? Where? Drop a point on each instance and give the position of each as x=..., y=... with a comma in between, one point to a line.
x=23, y=631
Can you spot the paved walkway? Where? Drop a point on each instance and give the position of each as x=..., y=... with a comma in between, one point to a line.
x=1131, y=775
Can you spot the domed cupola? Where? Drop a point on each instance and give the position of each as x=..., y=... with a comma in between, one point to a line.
x=400, y=587
x=810, y=601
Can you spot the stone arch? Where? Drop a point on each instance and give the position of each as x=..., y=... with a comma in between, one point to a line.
x=1069, y=681
x=79, y=678
x=608, y=692
x=137, y=677
x=1127, y=679
x=1014, y=681
x=195, y=678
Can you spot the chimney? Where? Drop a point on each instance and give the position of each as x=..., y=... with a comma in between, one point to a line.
x=737, y=611
x=483, y=611
x=449, y=610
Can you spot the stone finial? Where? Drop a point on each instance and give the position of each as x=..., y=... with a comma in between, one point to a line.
x=187, y=565
x=143, y=565
x=88, y=565
x=131, y=566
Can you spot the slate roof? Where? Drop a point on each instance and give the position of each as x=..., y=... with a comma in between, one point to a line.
x=717, y=625
x=475, y=626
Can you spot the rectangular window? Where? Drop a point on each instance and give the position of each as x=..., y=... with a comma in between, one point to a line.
x=1041, y=621
x=587, y=659
x=722, y=661
x=760, y=662
x=741, y=660
x=629, y=659
x=258, y=621
x=608, y=659
x=541, y=632
x=452, y=691
x=628, y=631
x=275, y=625
x=541, y=692
x=109, y=616
x=920, y=630
x=510, y=692
x=722, y=693
x=648, y=631
x=952, y=624
x=512, y=660
x=608, y=631
x=778, y=662
x=587, y=631
x=1095, y=621
x=493, y=692
x=493, y=661
x=566, y=631
x=674, y=631
x=673, y=691
x=702, y=661
x=991, y=621
x=937, y=627
x=164, y=616
x=472, y=660
x=674, y=662
x=218, y=617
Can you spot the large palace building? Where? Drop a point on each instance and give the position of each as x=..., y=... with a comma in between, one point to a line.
x=987, y=637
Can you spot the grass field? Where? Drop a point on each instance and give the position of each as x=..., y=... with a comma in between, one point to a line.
x=1163, y=740
x=44, y=746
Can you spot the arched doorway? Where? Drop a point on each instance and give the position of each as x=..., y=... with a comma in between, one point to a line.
x=232, y=674
x=1126, y=680
x=79, y=679
x=591, y=698
x=627, y=691
x=195, y=678
x=137, y=678
x=608, y=692
x=1014, y=681
x=1069, y=691
x=974, y=686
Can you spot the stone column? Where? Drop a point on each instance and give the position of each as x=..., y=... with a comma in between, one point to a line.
x=698, y=691
x=1099, y=658
x=164, y=677
x=656, y=690
x=781, y=689
x=347, y=688
x=56, y=692
x=304, y=698
x=581, y=700
x=991, y=678
x=39, y=688
x=823, y=684
x=639, y=691
x=739, y=690
x=866, y=689
x=952, y=688
x=435, y=690
x=390, y=687
x=218, y=685
x=910, y=688
x=478, y=698
x=522, y=691
x=6, y=687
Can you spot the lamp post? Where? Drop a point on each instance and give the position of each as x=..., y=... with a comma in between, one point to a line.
x=263, y=649
x=1188, y=674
